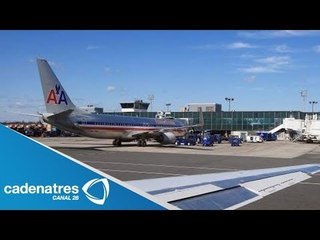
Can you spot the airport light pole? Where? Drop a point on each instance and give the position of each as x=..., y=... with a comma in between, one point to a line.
x=312, y=103
x=168, y=105
x=229, y=100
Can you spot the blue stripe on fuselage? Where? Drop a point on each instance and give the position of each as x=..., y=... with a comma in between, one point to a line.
x=118, y=120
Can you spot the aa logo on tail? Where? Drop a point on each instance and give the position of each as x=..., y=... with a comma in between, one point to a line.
x=57, y=96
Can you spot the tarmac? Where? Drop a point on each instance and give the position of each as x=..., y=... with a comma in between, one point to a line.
x=130, y=162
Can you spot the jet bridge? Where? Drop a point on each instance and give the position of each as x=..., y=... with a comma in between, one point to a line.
x=289, y=123
x=307, y=129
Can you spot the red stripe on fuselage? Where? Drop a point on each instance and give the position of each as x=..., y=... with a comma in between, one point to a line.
x=126, y=128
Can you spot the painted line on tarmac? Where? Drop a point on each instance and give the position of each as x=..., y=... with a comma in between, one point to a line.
x=130, y=171
x=162, y=165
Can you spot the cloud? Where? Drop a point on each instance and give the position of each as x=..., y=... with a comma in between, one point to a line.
x=317, y=48
x=250, y=79
x=274, y=60
x=283, y=48
x=235, y=45
x=79, y=101
x=258, y=69
x=278, y=33
x=247, y=56
x=296, y=33
x=17, y=105
x=94, y=47
x=240, y=45
x=111, y=89
x=23, y=107
x=271, y=65
x=108, y=69
x=111, y=70
x=206, y=47
x=13, y=105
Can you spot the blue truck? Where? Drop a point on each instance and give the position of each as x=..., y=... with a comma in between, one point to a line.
x=266, y=136
x=187, y=140
x=207, y=140
x=235, y=141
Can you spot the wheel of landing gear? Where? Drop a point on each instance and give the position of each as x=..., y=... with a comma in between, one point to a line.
x=116, y=142
x=142, y=143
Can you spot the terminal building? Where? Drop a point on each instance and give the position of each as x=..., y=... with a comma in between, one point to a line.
x=215, y=119
x=205, y=107
x=92, y=109
x=232, y=121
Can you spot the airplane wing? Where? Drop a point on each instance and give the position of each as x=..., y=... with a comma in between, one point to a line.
x=157, y=135
x=158, y=132
x=26, y=114
x=149, y=134
x=218, y=191
x=60, y=115
x=137, y=134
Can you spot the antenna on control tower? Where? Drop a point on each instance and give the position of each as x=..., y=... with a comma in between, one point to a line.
x=304, y=94
x=151, y=98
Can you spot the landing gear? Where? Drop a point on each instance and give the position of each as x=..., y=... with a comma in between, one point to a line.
x=142, y=143
x=309, y=141
x=116, y=142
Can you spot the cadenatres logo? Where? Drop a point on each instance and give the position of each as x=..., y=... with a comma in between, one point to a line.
x=96, y=190
x=105, y=189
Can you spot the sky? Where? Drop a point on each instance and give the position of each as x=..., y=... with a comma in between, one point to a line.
x=260, y=70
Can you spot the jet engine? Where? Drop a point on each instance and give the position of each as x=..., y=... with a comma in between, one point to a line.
x=166, y=138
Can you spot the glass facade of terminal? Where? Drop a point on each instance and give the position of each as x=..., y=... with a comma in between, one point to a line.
x=232, y=121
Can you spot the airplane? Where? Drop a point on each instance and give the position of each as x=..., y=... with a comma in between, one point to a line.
x=212, y=191
x=224, y=190
x=63, y=114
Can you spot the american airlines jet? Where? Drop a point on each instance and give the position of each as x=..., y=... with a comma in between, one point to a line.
x=223, y=190
x=63, y=114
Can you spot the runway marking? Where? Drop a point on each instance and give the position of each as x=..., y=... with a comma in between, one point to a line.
x=169, y=166
x=114, y=170
x=310, y=183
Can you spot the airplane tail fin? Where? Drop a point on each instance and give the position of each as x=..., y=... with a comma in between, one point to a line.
x=55, y=97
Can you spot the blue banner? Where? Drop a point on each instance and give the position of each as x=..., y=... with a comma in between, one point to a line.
x=36, y=177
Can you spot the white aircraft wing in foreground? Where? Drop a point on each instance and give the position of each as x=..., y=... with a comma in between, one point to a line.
x=228, y=191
